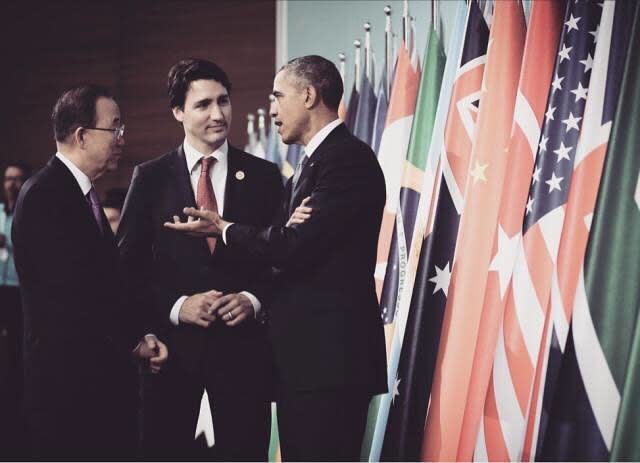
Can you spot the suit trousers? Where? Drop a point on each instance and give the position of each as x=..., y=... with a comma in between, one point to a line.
x=322, y=425
x=170, y=409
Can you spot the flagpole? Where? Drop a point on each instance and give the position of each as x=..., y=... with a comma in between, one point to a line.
x=262, y=130
x=342, y=58
x=405, y=24
x=434, y=14
x=356, y=43
x=367, y=50
x=388, y=47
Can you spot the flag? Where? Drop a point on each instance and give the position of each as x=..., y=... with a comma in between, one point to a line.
x=459, y=103
x=352, y=108
x=613, y=266
x=382, y=102
x=461, y=363
x=363, y=124
x=393, y=152
x=273, y=153
x=581, y=410
x=291, y=162
x=413, y=181
x=402, y=435
x=502, y=426
x=527, y=318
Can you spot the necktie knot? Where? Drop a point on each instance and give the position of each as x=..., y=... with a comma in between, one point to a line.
x=206, y=164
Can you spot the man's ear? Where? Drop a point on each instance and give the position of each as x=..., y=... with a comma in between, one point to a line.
x=78, y=136
x=178, y=113
x=311, y=97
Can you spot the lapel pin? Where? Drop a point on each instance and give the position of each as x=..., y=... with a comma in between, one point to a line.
x=240, y=175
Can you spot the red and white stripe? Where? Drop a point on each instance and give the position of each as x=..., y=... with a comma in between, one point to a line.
x=510, y=285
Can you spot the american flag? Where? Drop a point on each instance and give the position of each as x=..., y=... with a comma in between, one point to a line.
x=582, y=413
x=529, y=292
x=502, y=426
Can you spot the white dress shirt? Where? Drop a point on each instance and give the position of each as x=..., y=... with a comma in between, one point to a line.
x=218, y=174
x=83, y=181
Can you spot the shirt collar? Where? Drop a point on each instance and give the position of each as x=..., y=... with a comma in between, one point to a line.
x=193, y=155
x=83, y=181
x=320, y=136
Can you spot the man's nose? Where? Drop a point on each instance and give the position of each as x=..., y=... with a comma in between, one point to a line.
x=216, y=113
x=273, y=111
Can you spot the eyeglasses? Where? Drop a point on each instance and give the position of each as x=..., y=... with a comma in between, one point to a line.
x=118, y=131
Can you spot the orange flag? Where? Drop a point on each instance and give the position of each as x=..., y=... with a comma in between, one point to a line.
x=464, y=318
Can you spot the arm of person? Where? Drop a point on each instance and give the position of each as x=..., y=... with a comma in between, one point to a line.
x=66, y=274
x=150, y=299
x=347, y=189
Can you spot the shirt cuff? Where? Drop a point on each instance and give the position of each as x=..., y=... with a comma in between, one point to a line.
x=224, y=238
x=254, y=302
x=174, y=316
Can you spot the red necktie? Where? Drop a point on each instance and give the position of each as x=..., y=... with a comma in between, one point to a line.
x=205, y=197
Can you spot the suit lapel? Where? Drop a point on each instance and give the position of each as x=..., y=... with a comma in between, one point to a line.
x=307, y=174
x=78, y=201
x=234, y=187
x=184, y=192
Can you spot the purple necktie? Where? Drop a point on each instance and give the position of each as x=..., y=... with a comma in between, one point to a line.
x=95, y=207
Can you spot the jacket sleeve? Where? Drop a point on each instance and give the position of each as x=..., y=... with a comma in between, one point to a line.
x=69, y=302
x=349, y=188
x=134, y=238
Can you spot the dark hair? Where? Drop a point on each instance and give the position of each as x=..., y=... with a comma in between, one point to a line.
x=188, y=70
x=115, y=198
x=321, y=74
x=75, y=108
x=23, y=166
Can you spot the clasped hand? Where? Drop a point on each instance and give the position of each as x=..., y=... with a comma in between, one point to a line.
x=204, y=308
x=153, y=351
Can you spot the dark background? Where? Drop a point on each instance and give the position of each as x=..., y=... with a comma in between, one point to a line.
x=128, y=46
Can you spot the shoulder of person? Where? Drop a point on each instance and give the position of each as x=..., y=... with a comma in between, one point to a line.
x=249, y=161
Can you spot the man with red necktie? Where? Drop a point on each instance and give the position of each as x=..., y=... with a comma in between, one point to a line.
x=188, y=285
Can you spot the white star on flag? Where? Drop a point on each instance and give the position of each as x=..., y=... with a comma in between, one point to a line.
x=504, y=259
x=530, y=204
x=588, y=63
x=557, y=83
x=478, y=172
x=554, y=182
x=595, y=34
x=571, y=122
x=396, y=390
x=543, y=143
x=572, y=23
x=563, y=152
x=550, y=112
x=442, y=279
x=580, y=92
x=536, y=174
x=564, y=53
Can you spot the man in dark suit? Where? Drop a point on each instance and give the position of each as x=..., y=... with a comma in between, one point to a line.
x=190, y=281
x=323, y=321
x=80, y=388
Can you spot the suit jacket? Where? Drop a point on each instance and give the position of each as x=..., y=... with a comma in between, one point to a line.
x=163, y=265
x=324, y=320
x=79, y=336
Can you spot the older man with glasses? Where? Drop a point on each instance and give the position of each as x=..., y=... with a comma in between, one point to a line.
x=80, y=335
